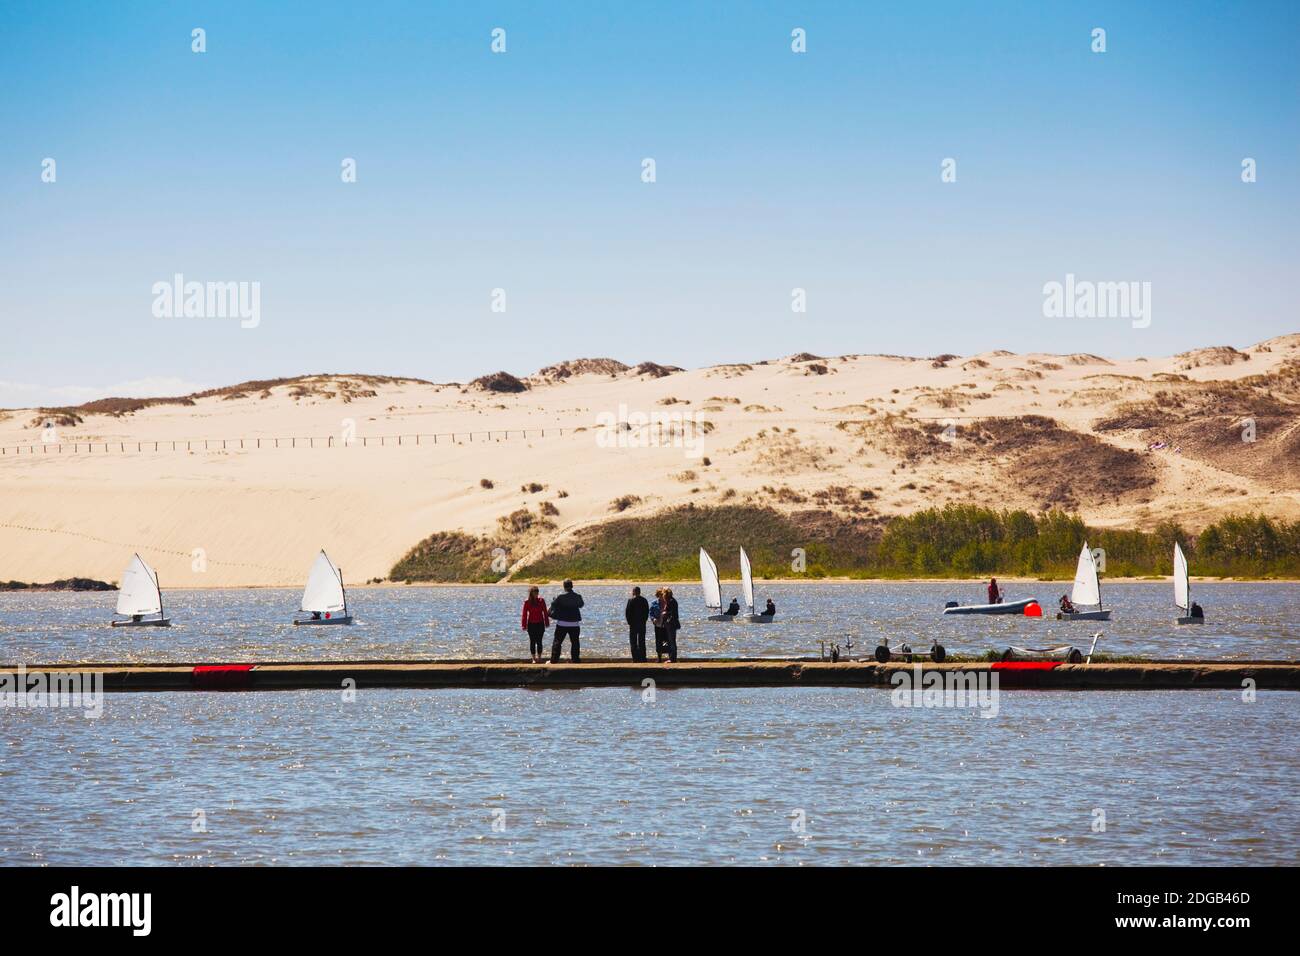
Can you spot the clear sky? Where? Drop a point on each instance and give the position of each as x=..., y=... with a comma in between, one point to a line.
x=523, y=171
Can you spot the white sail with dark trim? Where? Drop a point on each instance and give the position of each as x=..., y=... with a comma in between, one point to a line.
x=709, y=581
x=1087, y=589
x=324, y=591
x=1182, y=584
x=139, y=592
x=747, y=580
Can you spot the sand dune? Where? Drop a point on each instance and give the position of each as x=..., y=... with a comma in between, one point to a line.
x=1032, y=431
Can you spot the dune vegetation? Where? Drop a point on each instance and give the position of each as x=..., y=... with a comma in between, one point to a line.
x=952, y=541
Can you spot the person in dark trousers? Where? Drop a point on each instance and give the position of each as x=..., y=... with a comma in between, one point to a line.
x=636, y=613
x=995, y=596
x=1196, y=610
x=733, y=608
x=672, y=624
x=535, y=620
x=568, y=622
x=657, y=621
x=770, y=610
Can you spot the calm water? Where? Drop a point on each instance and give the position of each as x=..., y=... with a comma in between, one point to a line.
x=599, y=776
x=1245, y=621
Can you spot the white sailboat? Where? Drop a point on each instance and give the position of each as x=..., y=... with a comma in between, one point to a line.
x=1086, y=592
x=139, y=595
x=747, y=589
x=324, y=597
x=712, y=587
x=1183, y=590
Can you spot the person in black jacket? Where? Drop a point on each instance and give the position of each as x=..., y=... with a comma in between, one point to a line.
x=636, y=614
x=672, y=624
x=568, y=622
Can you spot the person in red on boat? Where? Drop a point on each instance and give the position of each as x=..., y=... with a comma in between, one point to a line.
x=995, y=596
x=535, y=620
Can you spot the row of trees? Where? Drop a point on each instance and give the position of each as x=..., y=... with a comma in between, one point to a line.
x=970, y=540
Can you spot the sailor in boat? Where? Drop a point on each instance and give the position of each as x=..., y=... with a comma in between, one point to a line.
x=315, y=615
x=733, y=608
x=770, y=610
x=995, y=596
x=1067, y=606
x=1196, y=610
x=136, y=618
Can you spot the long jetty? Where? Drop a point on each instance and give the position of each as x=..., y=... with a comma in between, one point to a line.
x=335, y=675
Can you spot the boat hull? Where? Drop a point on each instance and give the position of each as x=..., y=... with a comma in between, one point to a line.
x=720, y=617
x=1010, y=607
x=162, y=622
x=1103, y=615
x=333, y=620
x=1063, y=653
x=756, y=618
x=1189, y=620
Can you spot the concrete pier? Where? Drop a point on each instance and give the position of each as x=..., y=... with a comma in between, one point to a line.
x=328, y=675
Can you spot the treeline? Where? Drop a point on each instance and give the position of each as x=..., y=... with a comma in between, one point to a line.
x=953, y=541
x=967, y=540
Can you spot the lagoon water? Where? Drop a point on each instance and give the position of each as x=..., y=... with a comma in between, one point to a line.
x=1244, y=622
x=600, y=776
x=605, y=776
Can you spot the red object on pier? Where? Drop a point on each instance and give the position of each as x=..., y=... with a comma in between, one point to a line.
x=221, y=676
x=1025, y=665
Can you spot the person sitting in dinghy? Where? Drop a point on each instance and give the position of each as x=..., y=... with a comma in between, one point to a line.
x=1067, y=606
x=733, y=608
x=1196, y=610
x=770, y=610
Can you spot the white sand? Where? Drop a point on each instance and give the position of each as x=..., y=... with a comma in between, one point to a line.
x=259, y=515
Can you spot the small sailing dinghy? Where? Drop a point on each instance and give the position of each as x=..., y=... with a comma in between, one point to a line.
x=747, y=589
x=1086, y=591
x=324, y=598
x=139, y=595
x=1183, y=590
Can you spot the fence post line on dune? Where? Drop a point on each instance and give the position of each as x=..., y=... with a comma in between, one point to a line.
x=209, y=444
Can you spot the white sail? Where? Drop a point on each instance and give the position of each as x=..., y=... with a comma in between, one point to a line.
x=709, y=581
x=1182, y=586
x=324, y=591
x=138, y=592
x=1087, y=589
x=746, y=580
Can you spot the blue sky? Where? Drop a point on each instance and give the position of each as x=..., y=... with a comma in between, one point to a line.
x=522, y=171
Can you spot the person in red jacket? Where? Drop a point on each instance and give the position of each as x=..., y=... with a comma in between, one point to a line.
x=995, y=595
x=535, y=620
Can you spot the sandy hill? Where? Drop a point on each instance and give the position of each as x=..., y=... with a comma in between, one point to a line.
x=291, y=465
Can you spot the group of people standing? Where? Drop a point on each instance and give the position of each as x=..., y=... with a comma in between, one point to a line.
x=662, y=614
x=565, y=612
